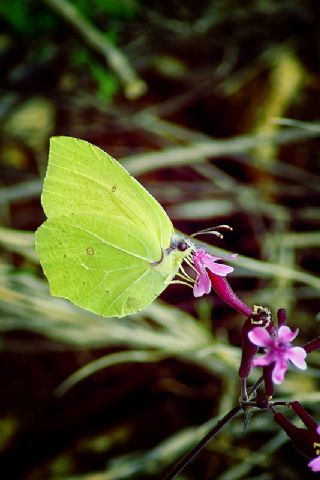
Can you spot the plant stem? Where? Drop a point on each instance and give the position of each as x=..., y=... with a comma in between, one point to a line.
x=208, y=436
x=195, y=450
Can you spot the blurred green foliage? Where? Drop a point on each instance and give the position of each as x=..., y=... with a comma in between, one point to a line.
x=30, y=20
x=140, y=391
x=109, y=9
x=107, y=84
x=27, y=17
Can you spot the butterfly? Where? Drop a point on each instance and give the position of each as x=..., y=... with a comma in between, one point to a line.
x=107, y=245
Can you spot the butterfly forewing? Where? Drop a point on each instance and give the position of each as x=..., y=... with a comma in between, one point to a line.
x=81, y=178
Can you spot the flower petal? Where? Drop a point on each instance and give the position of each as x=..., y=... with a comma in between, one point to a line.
x=208, y=258
x=318, y=430
x=260, y=337
x=201, y=254
x=285, y=334
x=297, y=356
x=202, y=284
x=220, y=269
x=279, y=372
x=263, y=361
x=209, y=261
x=315, y=464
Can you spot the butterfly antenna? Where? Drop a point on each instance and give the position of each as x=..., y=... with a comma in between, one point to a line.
x=213, y=231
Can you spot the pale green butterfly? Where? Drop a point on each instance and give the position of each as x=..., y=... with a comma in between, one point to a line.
x=107, y=245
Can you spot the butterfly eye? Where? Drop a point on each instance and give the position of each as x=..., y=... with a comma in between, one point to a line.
x=182, y=246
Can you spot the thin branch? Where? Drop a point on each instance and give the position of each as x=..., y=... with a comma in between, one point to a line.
x=211, y=433
x=133, y=85
x=184, y=462
x=199, y=152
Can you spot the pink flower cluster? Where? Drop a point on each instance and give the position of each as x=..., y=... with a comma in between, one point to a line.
x=276, y=342
x=211, y=274
x=278, y=351
x=203, y=261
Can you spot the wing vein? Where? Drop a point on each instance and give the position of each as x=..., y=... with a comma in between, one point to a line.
x=124, y=207
x=128, y=288
x=116, y=247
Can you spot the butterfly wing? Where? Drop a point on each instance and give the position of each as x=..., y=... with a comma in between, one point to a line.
x=105, y=234
x=82, y=178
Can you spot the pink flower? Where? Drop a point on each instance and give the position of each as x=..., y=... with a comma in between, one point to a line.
x=278, y=351
x=314, y=464
x=202, y=261
x=210, y=274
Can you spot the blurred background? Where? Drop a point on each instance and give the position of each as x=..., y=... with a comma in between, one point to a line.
x=214, y=106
